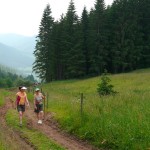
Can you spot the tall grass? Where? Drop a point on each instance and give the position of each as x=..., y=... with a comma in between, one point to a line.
x=3, y=94
x=116, y=122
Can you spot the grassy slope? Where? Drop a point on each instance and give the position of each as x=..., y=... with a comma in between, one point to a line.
x=116, y=122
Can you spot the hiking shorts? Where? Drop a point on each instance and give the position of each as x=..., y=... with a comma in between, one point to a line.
x=21, y=108
x=39, y=108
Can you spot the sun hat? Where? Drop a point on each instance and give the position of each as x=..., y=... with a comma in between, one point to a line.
x=23, y=88
x=37, y=89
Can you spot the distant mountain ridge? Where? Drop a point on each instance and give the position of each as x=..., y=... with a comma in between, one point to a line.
x=20, y=42
x=13, y=57
x=16, y=51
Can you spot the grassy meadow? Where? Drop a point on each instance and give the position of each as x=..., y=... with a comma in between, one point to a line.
x=114, y=122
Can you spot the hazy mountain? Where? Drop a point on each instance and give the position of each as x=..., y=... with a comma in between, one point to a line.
x=16, y=51
x=25, y=44
x=13, y=57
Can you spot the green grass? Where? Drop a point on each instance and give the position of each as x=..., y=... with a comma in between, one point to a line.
x=36, y=138
x=116, y=122
x=7, y=139
x=3, y=135
x=3, y=94
x=2, y=142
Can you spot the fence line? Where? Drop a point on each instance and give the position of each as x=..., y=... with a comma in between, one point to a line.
x=46, y=100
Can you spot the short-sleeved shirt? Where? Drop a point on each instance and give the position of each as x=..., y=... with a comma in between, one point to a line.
x=21, y=98
x=38, y=98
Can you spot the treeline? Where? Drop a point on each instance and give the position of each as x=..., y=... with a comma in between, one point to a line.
x=116, y=38
x=8, y=78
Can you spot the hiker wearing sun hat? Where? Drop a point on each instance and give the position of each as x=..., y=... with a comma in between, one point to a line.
x=21, y=100
x=38, y=105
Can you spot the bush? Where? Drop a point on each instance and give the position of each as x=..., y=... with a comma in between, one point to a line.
x=104, y=88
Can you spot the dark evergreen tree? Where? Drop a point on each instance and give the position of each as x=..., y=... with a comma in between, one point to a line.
x=85, y=41
x=124, y=35
x=97, y=35
x=72, y=51
x=144, y=21
x=116, y=38
x=59, y=46
x=43, y=65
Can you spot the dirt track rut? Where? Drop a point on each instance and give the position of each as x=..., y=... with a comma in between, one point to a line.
x=53, y=132
x=49, y=128
x=9, y=135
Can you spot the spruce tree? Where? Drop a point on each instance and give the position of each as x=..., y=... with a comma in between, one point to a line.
x=97, y=25
x=72, y=53
x=85, y=41
x=126, y=37
x=59, y=48
x=43, y=65
x=144, y=21
x=104, y=87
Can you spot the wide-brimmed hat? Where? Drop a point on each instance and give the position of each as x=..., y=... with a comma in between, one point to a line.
x=23, y=88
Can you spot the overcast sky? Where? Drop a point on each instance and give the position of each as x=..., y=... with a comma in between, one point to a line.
x=24, y=16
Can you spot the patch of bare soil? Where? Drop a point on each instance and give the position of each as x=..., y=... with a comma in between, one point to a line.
x=12, y=139
x=51, y=130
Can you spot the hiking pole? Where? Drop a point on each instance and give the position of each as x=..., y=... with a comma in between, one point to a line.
x=44, y=103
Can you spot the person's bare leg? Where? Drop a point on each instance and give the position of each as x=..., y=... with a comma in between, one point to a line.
x=20, y=117
x=41, y=116
x=37, y=116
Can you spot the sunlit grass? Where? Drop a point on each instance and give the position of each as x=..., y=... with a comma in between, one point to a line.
x=116, y=122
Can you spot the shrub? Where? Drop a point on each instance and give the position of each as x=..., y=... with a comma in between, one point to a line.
x=104, y=88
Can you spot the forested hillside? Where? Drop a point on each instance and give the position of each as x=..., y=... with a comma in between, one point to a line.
x=17, y=51
x=116, y=38
x=12, y=57
x=10, y=78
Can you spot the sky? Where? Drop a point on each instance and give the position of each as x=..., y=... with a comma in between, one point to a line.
x=24, y=16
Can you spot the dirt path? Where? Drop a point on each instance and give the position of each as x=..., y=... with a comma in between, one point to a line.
x=52, y=131
x=49, y=128
x=12, y=138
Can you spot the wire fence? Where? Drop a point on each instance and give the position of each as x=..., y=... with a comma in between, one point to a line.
x=47, y=98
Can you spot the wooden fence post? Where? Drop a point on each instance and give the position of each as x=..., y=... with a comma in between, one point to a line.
x=44, y=104
x=47, y=99
x=81, y=103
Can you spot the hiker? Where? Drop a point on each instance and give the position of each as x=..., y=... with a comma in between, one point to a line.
x=38, y=105
x=21, y=100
